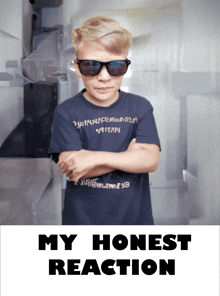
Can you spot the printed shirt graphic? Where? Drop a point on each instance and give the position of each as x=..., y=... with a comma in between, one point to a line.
x=114, y=198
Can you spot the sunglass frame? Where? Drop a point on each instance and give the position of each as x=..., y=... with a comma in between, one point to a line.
x=106, y=64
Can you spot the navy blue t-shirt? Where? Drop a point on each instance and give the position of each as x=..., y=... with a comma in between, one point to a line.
x=117, y=198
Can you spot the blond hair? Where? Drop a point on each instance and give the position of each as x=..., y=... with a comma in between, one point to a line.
x=104, y=31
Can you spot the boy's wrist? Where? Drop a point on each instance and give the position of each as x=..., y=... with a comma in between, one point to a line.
x=102, y=158
x=107, y=159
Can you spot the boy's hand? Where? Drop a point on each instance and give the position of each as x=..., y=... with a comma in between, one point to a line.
x=76, y=164
x=63, y=158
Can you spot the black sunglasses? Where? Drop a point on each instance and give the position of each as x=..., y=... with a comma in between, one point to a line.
x=92, y=68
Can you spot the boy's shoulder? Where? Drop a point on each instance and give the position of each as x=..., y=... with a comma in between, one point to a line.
x=71, y=104
x=137, y=101
x=135, y=97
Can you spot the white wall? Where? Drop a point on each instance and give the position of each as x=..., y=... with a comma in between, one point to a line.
x=15, y=34
x=200, y=53
x=201, y=29
x=203, y=167
x=27, y=23
x=10, y=20
x=11, y=98
x=52, y=16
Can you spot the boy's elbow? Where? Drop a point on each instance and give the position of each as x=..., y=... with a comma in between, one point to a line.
x=149, y=167
x=153, y=168
x=153, y=161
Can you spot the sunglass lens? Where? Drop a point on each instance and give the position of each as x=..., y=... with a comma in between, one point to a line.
x=89, y=68
x=117, y=68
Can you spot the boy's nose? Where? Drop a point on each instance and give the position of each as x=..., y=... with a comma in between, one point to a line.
x=103, y=74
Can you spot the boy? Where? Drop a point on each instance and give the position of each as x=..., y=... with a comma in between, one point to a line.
x=106, y=139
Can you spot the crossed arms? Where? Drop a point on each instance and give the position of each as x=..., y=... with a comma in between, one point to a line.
x=82, y=164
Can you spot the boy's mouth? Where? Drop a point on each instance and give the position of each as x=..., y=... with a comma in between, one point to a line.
x=103, y=88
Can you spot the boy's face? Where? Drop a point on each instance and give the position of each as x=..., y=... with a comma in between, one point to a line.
x=102, y=89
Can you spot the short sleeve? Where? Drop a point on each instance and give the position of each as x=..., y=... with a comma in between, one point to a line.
x=146, y=129
x=65, y=136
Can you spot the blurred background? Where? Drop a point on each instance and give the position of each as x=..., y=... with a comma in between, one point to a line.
x=175, y=64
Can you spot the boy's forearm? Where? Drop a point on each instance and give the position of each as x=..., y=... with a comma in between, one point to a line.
x=98, y=171
x=137, y=161
x=138, y=158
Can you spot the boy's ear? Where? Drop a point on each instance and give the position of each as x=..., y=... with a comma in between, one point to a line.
x=76, y=66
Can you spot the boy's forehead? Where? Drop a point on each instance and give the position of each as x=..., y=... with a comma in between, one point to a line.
x=95, y=51
x=89, y=45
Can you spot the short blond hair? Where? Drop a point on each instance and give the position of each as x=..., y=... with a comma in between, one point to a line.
x=105, y=31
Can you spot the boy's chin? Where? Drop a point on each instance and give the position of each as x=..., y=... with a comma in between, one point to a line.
x=103, y=98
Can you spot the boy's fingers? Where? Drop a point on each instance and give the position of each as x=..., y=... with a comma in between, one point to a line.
x=74, y=178
x=64, y=156
x=69, y=174
x=66, y=170
x=61, y=165
x=66, y=162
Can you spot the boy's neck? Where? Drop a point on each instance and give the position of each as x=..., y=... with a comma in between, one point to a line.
x=101, y=103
